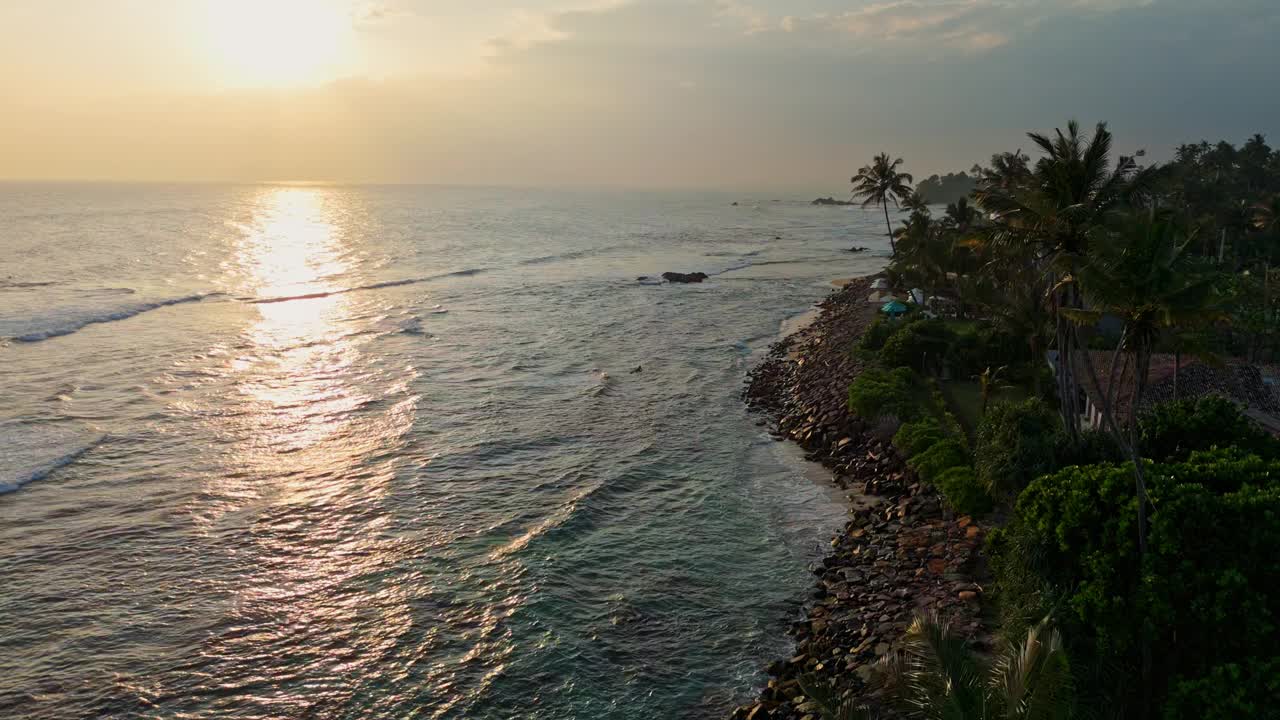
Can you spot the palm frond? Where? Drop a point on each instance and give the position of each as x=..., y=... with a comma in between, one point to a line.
x=830, y=705
x=1032, y=681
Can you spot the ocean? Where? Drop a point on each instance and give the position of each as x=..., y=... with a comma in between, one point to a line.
x=307, y=451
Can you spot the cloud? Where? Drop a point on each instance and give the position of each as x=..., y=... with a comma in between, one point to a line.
x=368, y=15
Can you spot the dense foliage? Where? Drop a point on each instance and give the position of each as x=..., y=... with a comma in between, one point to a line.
x=962, y=490
x=877, y=392
x=914, y=438
x=1173, y=430
x=940, y=457
x=1015, y=444
x=919, y=344
x=1207, y=594
x=1152, y=549
x=945, y=189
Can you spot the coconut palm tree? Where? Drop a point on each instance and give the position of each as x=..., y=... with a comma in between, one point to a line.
x=881, y=183
x=936, y=675
x=1073, y=189
x=961, y=216
x=915, y=203
x=1141, y=272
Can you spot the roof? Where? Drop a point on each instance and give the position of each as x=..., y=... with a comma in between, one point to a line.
x=1239, y=382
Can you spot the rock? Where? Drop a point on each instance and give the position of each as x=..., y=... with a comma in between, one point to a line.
x=759, y=712
x=830, y=201
x=968, y=595
x=693, y=277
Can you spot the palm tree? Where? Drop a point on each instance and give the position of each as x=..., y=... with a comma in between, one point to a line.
x=915, y=203
x=1073, y=189
x=924, y=253
x=1142, y=273
x=989, y=381
x=937, y=675
x=961, y=215
x=879, y=184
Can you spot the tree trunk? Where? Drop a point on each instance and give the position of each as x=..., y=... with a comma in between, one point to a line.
x=893, y=249
x=1177, y=368
x=1140, y=486
x=1067, y=387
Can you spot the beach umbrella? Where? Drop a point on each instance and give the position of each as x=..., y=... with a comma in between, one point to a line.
x=893, y=307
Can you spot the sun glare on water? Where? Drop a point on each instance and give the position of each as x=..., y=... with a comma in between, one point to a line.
x=277, y=43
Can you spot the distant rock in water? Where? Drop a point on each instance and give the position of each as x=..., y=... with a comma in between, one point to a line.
x=856, y=249
x=831, y=201
x=693, y=277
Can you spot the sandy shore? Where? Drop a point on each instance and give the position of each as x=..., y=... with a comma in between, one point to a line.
x=900, y=552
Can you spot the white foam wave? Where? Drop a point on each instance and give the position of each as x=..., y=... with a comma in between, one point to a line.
x=33, y=451
x=66, y=320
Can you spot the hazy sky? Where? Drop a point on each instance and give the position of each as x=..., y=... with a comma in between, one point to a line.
x=779, y=94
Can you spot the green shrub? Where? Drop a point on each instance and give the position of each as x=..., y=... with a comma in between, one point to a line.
x=916, y=437
x=873, y=337
x=1227, y=692
x=1174, y=430
x=1014, y=445
x=877, y=392
x=962, y=490
x=1090, y=448
x=917, y=344
x=1207, y=591
x=940, y=457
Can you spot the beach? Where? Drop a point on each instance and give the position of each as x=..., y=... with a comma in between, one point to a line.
x=900, y=552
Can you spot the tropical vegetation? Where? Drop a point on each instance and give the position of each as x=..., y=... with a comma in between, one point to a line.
x=1139, y=526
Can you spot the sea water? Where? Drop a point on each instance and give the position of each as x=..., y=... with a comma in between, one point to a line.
x=302, y=451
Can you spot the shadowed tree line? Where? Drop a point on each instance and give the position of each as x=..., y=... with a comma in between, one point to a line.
x=1094, y=262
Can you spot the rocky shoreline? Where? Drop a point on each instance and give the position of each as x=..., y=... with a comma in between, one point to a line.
x=901, y=551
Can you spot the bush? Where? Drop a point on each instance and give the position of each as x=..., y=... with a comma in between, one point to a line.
x=915, y=342
x=914, y=438
x=1092, y=447
x=962, y=490
x=1174, y=430
x=878, y=392
x=1015, y=445
x=939, y=458
x=874, y=337
x=1207, y=591
x=1227, y=692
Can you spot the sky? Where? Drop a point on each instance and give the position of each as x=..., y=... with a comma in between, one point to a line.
x=721, y=94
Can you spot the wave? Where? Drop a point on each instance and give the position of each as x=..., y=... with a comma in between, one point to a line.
x=554, y=519
x=357, y=288
x=33, y=452
x=562, y=256
x=21, y=285
x=77, y=318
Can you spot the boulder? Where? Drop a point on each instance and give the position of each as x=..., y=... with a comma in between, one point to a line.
x=693, y=277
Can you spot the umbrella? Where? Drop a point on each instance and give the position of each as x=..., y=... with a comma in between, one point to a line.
x=893, y=307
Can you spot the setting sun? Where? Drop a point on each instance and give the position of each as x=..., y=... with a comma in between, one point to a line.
x=276, y=44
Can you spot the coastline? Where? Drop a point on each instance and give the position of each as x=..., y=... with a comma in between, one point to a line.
x=901, y=552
